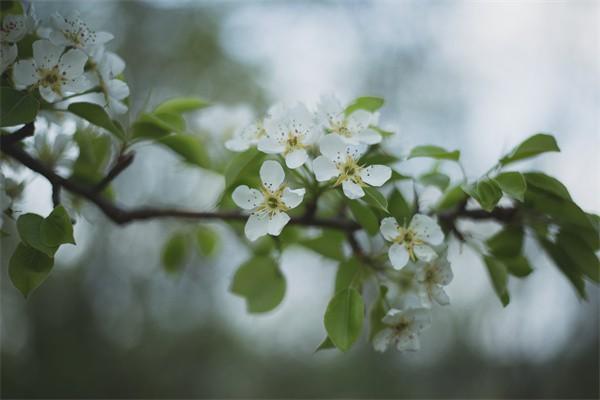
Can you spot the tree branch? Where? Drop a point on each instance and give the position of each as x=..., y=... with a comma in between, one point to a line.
x=120, y=165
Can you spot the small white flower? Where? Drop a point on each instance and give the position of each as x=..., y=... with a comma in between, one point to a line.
x=72, y=31
x=412, y=242
x=354, y=128
x=13, y=29
x=246, y=137
x=432, y=276
x=108, y=67
x=289, y=131
x=269, y=204
x=53, y=143
x=404, y=329
x=56, y=74
x=340, y=161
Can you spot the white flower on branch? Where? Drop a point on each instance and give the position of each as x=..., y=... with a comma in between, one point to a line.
x=289, y=131
x=354, y=128
x=339, y=160
x=269, y=204
x=72, y=31
x=432, y=276
x=54, y=72
x=404, y=327
x=413, y=241
x=13, y=29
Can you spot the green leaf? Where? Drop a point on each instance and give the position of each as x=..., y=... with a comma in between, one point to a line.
x=261, y=283
x=580, y=254
x=96, y=115
x=325, y=345
x=561, y=211
x=517, y=266
x=181, y=105
x=375, y=198
x=382, y=132
x=207, y=241
x=188, y=147
x=239, y=163
x=329, y=244
x=434, y=152
x=349, y=274
x=57, y=228
x=547, y=184
x=367, y=103
x=437, y=179
x=147, y=130
x=17, y=107
x=175, y=252
x=508, y=242
x=378, y=311
x=94, y=152
x=344, y=318
x=451, y=198
x=499, y=277
x=487, y=194
x=566, y=265
x=399, y=208
x=513, y=184
x=167, y=122
x=364, y=216
x=28, y=268
x=29, y=227
x=531, y=147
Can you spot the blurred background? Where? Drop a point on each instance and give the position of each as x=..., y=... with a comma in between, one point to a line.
x=474, y=75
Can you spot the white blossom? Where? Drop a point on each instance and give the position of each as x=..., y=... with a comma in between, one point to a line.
x=289, y=131
x=246, y=137
x=55, y=72
x=432, y=276
x=340, y=160
x=269, y=204
x=13, y=29
x=412, y=242
x=404, y=327
x=354, y=128
x=72, y=31
x=53, y=143
x=108, y=67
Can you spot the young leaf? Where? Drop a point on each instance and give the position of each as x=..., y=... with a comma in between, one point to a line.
x=508, y=242
x=580, y=254
x=399, y=208
x=17, y=107
x=375, y=198
x=239, y=163
x=499, y=277
x=513, y=184
x=181, y=105
x=168, y=122
x=29, y=227
x=488, y=194
x=326, y=344
x=434, y=152
x=364, y=216
x=517, y=266
x=175, y=252
x=188, y=147
x=348, y=274
x=437, y=179
x=147, y=130
x=96, y=115
x=207, y=241
x=547, y=184
x=451, y=198
x=344, y=318
x=28, y=268
x=566, y=265
x=366, y=103
x=261, y=283
x=57, y=228
x=531, y=147
x=329, y=244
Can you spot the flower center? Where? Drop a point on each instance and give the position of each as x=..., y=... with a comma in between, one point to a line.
x=409, y=239
x=341, y=128
x=401, y=327
x=349, y=170
x=51, y=78
x=293, y=143
x=273, y=201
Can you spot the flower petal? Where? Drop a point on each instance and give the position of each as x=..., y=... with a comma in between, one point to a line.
x=427, y=229
x=333, y=147
x=72, y=62
x=424, y=252
x=420, y=317
x=247, y=198
x=408, y=342
x=292, y=197
x=277, y=222
x=45, y=54
x=271, y=175
x=398, y=256
x=103, y=37
x=49, y=95
x=376, y=175
x=270, y=146
x=237, y=144
x=296, y=158
x=24, y=74
x=369, y=136
x=324, y=169
x=8, y=54
x=382, y=339
x=439, y=295
x=352, y=190
x=389, y=228
x=257, y=226
x=117, y=89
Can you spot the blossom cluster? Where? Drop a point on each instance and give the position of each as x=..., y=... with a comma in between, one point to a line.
x=69, y=61
x=327, y=144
